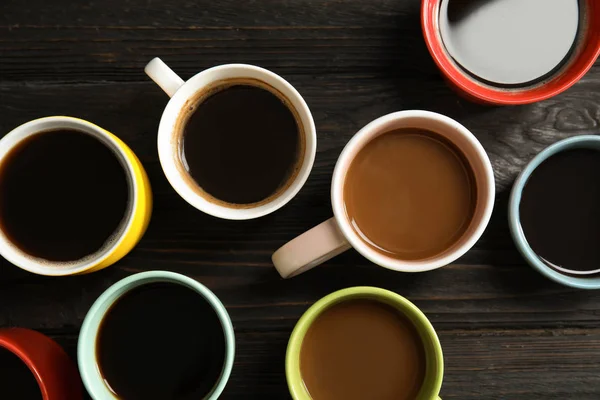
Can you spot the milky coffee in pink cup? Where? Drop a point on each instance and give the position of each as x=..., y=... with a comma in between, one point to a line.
x=412, y=191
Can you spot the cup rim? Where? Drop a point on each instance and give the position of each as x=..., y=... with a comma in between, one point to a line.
x=173, y=110
x=514, y=223
x=51, y=268
x=577, y=66
x=341, y=168
x=293, y=376
x=86, y=344
x=26, y=359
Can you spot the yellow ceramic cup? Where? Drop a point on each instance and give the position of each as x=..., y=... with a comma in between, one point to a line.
x=132, y=227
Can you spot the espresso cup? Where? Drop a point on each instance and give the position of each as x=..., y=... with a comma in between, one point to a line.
x=131, y=228
x=337, y=234
x=184, y=94
x=555, y=273
x=87, y=347
x=433, y=356
x=585, y=52
x=50, y=366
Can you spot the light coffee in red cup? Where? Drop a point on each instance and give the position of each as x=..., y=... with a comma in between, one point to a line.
x=412, y=191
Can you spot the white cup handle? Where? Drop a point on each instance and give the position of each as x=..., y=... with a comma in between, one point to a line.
x=164, y=76
x=310, y=249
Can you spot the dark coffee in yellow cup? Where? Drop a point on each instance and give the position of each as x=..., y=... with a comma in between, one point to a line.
x=73, y=197
x=64, y=195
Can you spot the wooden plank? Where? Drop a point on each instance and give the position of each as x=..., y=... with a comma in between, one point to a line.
x=81, y=41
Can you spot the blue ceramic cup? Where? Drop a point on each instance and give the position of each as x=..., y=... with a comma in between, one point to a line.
x=86, y=347
x=581, y=282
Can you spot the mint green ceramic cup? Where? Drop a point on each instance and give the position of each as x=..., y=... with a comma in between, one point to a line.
x=433, y=350
x=86, y=347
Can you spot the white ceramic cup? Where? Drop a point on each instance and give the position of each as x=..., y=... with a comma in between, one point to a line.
x=336, y=235
x=182, y=93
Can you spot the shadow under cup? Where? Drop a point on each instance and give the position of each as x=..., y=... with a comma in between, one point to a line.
x=581, y=282
x=87, y=345
x=434, y=358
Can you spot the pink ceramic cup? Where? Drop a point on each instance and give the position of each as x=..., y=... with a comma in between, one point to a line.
x=336, y=235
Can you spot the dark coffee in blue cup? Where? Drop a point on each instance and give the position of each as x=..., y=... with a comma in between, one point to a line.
x=554, y=212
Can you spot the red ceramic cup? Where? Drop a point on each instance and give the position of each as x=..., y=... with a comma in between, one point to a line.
x=587, y=49
x=53, y=369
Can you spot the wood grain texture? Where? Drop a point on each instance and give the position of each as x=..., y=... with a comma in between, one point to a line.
x=507, y=332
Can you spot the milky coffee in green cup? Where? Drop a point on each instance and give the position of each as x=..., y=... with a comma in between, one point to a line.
x=364, y=342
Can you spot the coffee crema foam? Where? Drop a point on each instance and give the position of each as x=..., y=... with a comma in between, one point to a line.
x=196, y=102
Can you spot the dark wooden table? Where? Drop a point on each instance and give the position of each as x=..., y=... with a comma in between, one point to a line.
x=507, y=332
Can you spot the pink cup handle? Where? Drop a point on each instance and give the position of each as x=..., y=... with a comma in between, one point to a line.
x=310, y=249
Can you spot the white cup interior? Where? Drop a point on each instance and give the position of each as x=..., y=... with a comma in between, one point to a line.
x=473, y=152
x=168, y=135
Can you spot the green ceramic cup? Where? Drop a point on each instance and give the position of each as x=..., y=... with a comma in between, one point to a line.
x=433, y=350
x=86, y=347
